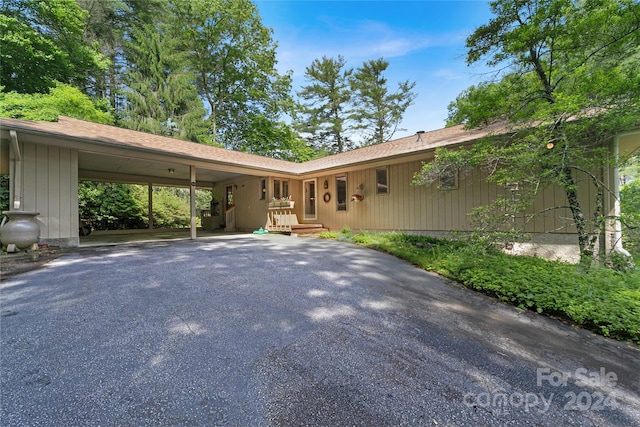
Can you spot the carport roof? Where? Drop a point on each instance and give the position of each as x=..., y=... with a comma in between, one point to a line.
x=105, y=135
x=89, y=132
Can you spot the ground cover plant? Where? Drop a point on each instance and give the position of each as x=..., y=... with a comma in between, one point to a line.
x=603, y=300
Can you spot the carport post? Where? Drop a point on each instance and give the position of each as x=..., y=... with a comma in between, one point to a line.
x=150, y=206
x=192, y=197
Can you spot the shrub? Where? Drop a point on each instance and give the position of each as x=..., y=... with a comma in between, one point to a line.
x=328, y=234
x=630, y=216
x=110, y=206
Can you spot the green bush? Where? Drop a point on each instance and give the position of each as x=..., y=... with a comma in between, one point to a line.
x=62, y=100
x=4, y=192
x=630, y=216
x=328, y=234
x=169, y=211
x=110, y=206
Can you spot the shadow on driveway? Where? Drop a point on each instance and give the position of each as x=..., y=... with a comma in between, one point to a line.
x=275, y=330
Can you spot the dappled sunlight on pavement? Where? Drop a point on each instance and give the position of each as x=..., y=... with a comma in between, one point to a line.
x=275, y=330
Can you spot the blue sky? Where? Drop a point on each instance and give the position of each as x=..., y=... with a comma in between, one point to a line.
x=422, y=40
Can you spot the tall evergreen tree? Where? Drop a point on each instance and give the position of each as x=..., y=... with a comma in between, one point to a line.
x=105, y=28
x=160, y=93
x=326, y=106
x=378, y=111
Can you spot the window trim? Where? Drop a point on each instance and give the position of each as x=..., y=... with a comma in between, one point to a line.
x=386, y=185
x=282, y=184
x=341, y=207
x=262, y=189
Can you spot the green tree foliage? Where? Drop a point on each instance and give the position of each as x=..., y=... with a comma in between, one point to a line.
x=378, y=111
x=631, y=169
x=170, y=208
x=62, y=100
x=106, y=25
x=42, y=43
x=326, y=105
x=630, y=206
x=197, y=70
x=630, y=215
x=110, y=206
x=570, y=83
x=274, y=139
x=160, y=91
x=233, y=57
x=342, y=108
x=4, y=193
x=171, y=205
x=169, y=211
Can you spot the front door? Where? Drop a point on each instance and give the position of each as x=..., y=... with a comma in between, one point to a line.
x=310, y=198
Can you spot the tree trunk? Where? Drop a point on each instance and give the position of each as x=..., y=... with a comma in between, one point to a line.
x=585, y=244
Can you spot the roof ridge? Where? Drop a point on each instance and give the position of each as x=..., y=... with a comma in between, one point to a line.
x=99, y=133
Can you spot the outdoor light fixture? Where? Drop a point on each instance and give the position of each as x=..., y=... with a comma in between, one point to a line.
x=419, y=133
x=171, y=170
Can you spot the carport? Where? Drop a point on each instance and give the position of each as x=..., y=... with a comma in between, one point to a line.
x=46, y=160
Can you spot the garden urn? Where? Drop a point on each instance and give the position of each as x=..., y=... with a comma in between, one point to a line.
x=19, y=228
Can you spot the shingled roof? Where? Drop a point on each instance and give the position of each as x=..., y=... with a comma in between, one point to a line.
x=89, y=132
x=94, y=133
x=410, y=145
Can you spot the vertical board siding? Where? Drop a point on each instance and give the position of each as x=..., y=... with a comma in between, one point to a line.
x=427, y=208
x=50, y=178
x=536, y=224
x=550, y=218
x=66, y=180
x=42, y=187
x=29, y=180
x=73, y=200
x=54, y=189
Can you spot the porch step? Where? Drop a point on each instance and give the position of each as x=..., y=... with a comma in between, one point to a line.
x=307, y=229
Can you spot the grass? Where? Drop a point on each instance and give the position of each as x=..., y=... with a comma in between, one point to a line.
x=604, y=301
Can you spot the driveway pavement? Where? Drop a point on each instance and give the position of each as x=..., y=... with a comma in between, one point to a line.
x=272, y=330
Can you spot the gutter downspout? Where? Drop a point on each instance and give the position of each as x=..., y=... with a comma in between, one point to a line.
x=616, y=202
x=17, y=171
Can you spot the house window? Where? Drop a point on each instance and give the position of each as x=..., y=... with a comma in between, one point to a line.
x=341, y=192
x=382, y=186
x=449, y=180
x=277, y=190
x=280, y=188
x=263, y=188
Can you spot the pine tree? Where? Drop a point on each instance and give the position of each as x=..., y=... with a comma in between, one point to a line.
x=327, y=104
x=378, y=111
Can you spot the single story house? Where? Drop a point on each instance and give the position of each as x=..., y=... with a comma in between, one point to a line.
x=368, y=188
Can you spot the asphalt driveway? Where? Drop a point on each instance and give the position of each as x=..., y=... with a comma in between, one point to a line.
x=270, y=330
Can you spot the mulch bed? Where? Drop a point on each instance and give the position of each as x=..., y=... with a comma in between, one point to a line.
x=23, y=261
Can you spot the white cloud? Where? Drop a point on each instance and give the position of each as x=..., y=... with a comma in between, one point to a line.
x=356, y=41
x=449, y=74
